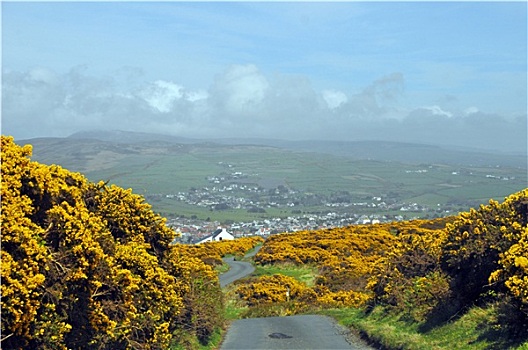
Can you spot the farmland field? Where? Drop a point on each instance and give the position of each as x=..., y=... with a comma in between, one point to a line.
x=314, y=181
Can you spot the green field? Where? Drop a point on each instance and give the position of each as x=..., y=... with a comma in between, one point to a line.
x=160, y=169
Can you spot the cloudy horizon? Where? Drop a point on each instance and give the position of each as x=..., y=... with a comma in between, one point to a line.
x=414, y=72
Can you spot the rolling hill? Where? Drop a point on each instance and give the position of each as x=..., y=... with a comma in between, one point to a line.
x=315, y=174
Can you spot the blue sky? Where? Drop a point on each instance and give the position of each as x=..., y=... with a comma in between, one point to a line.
x=331, y=70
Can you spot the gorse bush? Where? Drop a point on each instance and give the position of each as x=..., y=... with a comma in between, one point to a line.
x=345, y=256
x=477, y=259
x=86, y=265
x=513, y=269
x=274, y=289
x=212, y=253
x=485, y=257
x=409, y=277
x=237, y=247
x=274, y=295
x=486, y=245
x=428, y=270
x=359, y=264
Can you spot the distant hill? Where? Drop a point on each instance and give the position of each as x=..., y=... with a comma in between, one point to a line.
x=119, y=136
x=73, y=148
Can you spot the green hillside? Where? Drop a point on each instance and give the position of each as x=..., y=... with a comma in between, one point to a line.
x=161, y=169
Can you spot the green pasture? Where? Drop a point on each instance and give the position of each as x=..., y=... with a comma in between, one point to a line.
x=305, y=274
x=307, y=173
x=156, y=173
x=170, y=207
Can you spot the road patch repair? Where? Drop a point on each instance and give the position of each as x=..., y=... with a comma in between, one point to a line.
x=279, y=336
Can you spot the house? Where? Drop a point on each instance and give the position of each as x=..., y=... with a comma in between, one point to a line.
x=263, y=231
x=220, y=234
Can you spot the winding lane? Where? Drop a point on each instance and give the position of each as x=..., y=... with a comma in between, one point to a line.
x=237, y=270
x=292, y=332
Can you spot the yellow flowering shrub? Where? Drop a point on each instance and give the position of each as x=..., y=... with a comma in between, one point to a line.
x=274, y=289
x=205, y=252
x=438, y=268
x=90, y=266
x=212, y=253
x=513, y=262
x=424, y=268
x=237, y=246
x=200, y=290
x=343, y=298
x=514, y=269
x=345, y=256
x=408, y=277
x=481, y=243
x=22, y=254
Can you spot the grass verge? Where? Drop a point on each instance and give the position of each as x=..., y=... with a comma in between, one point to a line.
x=233, y=308
x=191, y=343
x=477, y=329
x=305, y=274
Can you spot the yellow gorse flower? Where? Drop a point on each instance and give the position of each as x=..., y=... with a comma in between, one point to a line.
x=89, y=265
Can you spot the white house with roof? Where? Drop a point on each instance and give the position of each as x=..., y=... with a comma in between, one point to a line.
x=263, y=231
x=220, y=234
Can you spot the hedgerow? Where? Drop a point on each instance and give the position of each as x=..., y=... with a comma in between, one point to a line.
x=87, y=265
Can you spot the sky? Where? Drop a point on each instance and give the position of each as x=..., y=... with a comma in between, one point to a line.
x=447, y=73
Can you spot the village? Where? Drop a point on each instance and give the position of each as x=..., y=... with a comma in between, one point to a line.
x=300, y=210
x=193, y=230
x=197, y=231
x=237, y=191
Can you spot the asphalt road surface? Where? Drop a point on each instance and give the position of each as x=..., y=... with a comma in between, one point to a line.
x=237, y=270
x=291, y=332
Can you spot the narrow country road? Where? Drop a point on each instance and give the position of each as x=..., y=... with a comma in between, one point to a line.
x=237, y=270
x=290, y=332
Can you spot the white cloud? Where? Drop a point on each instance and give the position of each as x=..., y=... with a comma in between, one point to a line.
x=240, y=90
x=437, y=110
x=43, y=75
x=471, y=110
x=193, y=96
x=161, y=95
x=242, y=102
x=334, y=98
x=376, y=101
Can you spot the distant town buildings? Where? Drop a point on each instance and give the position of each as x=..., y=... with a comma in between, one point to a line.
x=236, y=190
